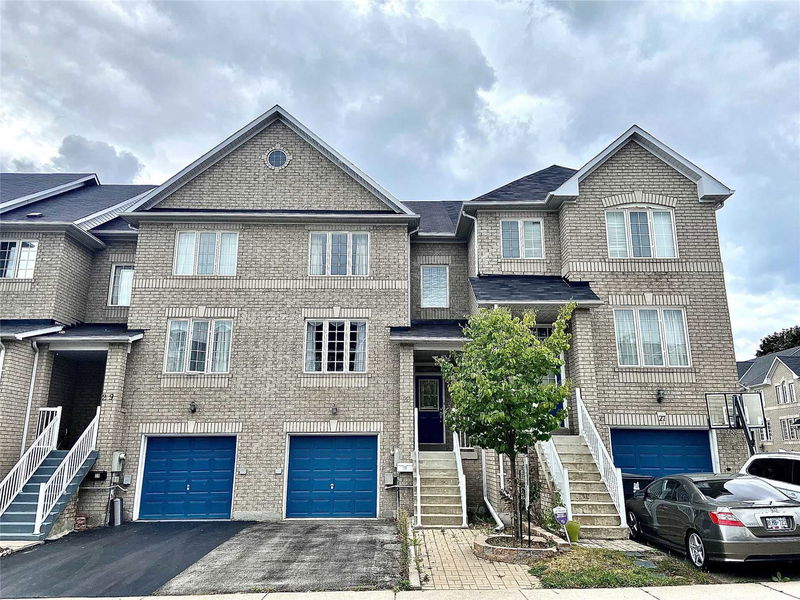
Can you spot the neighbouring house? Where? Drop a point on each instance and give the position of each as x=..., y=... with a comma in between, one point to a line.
x=776, y=376
x=255, y=337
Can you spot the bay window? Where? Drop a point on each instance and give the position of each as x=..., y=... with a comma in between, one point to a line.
x=199, y=346
x=640, y=233
x=119, y=292
x=434, y=286
x=336, y=346
x=206, y=253
x=651, y=337
x=17, y=258
x=338, y=253
x=521, y=239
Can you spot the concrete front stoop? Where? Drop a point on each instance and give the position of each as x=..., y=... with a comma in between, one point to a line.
x=440, y=495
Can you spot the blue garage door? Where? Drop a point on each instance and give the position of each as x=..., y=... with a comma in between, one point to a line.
x=188, y=478
x=332, y=476
x=660, y=452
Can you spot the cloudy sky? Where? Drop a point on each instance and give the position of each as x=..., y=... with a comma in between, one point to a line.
x=434, y=100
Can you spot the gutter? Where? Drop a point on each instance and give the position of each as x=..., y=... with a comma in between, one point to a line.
x=500, y=525
x=35, y=347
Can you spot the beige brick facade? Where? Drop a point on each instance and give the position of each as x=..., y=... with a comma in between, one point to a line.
x=779, y=409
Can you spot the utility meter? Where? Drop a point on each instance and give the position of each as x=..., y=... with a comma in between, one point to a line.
x=117, y=462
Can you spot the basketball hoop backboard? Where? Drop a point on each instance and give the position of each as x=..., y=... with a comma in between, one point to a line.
x=724, y=408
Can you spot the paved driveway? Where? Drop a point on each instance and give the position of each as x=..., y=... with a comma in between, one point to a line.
x=138, y=559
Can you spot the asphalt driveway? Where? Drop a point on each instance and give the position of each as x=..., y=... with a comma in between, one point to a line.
x=138, y=559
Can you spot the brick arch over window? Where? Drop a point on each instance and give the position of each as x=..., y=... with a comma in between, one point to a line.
x=639, y=197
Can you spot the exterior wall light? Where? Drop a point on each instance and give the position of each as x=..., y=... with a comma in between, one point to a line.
x=660, y=395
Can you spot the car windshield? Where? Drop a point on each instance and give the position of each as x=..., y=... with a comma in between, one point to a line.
x=786, y=470
x=739, y=490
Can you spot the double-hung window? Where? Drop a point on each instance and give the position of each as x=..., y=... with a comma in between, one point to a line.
x=199, y=346
x=641, y=233
x=789, y=429
x=792, y=397
x=121, y=285
x=17, y=258
x=206, y=253
x=779, y=399
x=521, y=239
x=338, y=253
x=766, y=432
x=336, y=346
x=651, y=337
x=434, y=286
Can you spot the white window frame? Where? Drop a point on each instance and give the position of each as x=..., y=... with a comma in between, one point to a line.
x=662, y=335
x=766, y=432
x=328, y=244
x=521, y=235
x=209, y=348
x=197, y=232
x=626, y=210
x=111, y=282
x=422, y=289
x=14, y=267
x=325, y=330
x=789, y=432
x=792, y=394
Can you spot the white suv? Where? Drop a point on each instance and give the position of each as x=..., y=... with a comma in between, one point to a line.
x=779, y=469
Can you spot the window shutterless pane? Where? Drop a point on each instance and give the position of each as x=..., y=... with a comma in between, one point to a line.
x=206, y=251
x=626, y=337
x=358, y=347
x=27, y=259
x=315, y=331
x=532, y=231
x=184, y=257
x=176, y=347
x=228, y=250
x=428, y=394
x=8, y=256
x=339, y=253
x=663, y=239
x=510, y=239
x=675, y=335
x=434, y=287
x=360, y=259
x=652, y=354
x=319, y=249
x=335, y=359
x=198, y=347
x=221, y=351
x=640, y=234
x=122, y=285
x=615, y=229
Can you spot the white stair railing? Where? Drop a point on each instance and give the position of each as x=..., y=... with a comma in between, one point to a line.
x=51, y=491
x=609, y=473
x=462, y=481
x=43, y=445
x=418, y=512
x=558, y=472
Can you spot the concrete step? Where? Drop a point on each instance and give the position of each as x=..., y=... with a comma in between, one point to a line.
x=607, y=519
x=434, y=472
x=573, y=450
x=440, y=463
x=18, y=516
x=433, y=490
x=582, y=485
x=427, y=498
x=579, y=465
x=427, y=454
x=437, y=480
x=441, y=520
x=580, y=474
x=600, y=532
x=596, y=496
x=593, y=508
x=440, y=509
x=568, y=440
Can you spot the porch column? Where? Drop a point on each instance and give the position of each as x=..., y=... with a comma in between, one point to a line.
x=581, y=365
x=41, y=391
x=94, y=497
x=406, y=414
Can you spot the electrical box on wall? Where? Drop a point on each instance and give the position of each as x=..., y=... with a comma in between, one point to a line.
x=405, y=467
x=117, y=462
x=98, y=475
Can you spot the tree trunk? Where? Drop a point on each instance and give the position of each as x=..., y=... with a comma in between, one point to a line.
x=516, y=517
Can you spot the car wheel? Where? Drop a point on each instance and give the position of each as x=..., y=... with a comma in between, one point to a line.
x=696, y=550
x=634, y=527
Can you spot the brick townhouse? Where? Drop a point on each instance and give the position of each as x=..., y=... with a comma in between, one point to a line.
x=255, y=337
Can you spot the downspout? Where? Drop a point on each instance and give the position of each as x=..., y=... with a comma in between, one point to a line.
x=500, y=526
x=35, y=347
x=475, y=220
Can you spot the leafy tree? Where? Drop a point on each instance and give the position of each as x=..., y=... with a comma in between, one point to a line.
x=780, y=340
x=496, y=384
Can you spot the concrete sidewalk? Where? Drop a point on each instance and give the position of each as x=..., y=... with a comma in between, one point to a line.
x=732, y=591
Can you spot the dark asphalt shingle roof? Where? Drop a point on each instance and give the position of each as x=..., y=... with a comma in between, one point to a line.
x=761, y=364
x=793, y=362
x=531, y=188
x=75, y=204
x=436, y=216
x=743, y=365
x=11, y=327
x=430, y=329
x=17, y=185
x=530, y=288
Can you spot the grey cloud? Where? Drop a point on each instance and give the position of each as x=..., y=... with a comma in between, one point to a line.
x=79, y=155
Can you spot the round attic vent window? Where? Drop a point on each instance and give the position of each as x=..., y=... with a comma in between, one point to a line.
x=277, y=159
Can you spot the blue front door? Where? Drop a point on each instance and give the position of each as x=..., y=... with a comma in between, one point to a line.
x=660, y=452
x=188, y=478
x=430, y=410
x=332, y=476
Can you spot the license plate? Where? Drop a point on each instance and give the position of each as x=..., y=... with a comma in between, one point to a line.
x=776, y=523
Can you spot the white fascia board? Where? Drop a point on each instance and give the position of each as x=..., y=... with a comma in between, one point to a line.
x=53, y=191
x=75, y=232
x=775, y=361
x=709, y=189
x=36, y=332
x=247, y=132
x=107, y=213
x=81, y=342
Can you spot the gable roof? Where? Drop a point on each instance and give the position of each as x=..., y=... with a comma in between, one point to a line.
x=709, y=189
x=530, y=188
x=437, y=217
x=19, y=189
x=276, y=113
x=761, y=366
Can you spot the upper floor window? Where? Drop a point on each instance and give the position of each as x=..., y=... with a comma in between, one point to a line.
x=119, y=292
x=766, y=432
x=206, y=253
x=641, y=233
x=17, y=259
x=336, y=346
x=651, y=337
x=789, y=431
x=521, y=239
x=338, y=253
x=434, y=286
x=199, y=346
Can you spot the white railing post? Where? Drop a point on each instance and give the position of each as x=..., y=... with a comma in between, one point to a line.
x=558, y=472
x=418, y=512
x=37, y=528
x=96, y=429
x=462, y=481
